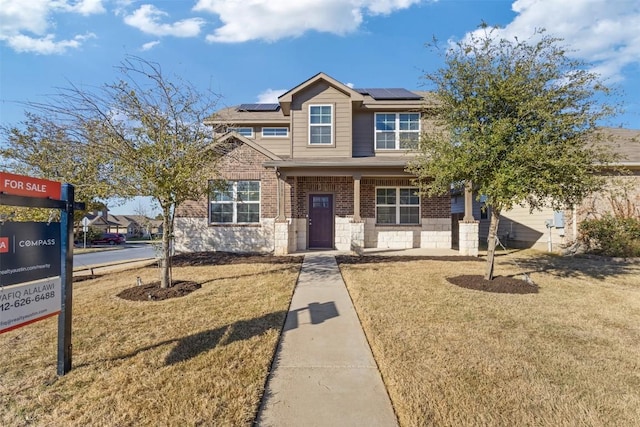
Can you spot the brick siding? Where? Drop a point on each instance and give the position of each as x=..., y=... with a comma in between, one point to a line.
x=240, y=163
x=340, y=186
x=430, y=207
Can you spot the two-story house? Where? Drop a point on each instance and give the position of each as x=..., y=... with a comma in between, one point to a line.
x=322, y=168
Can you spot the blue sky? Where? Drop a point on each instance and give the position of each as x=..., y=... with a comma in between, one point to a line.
x=252, y=50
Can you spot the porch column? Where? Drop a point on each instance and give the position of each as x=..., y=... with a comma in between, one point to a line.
x=281, y=226
x=468, y=234
x=356, y=198
x=468, y=202
x=280, y=197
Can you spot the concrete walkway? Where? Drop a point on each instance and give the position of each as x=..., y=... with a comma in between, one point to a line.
x=324, y=373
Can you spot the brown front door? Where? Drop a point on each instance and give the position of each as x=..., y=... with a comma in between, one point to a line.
x=455, y=230
x=321, y=221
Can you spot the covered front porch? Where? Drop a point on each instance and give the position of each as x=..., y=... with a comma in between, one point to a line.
x=354, y=204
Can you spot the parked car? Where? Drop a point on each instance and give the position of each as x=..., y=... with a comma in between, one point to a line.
x=108, y=239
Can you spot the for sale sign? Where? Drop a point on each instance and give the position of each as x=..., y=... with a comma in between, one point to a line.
x=29, y=302
x=21, y=185
x=29, y=251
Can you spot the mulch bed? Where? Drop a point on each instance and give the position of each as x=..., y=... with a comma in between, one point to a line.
x=499, y=284
x=376, y=259
x=229, y=258
x=153, y=291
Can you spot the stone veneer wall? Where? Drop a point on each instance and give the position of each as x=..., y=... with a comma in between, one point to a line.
x=434, y=233
x=195, y=235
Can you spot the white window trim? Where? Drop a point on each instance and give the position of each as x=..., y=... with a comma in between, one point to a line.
x=331, y=125
x=275, y=136
x=234, y=202
x=396, y=130
x=236, y=129
x=397, y=205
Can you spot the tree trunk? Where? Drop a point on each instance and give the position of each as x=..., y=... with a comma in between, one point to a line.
x=491, y=243
x=165, y=260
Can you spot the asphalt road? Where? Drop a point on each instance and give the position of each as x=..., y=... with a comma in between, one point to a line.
x=124, y=253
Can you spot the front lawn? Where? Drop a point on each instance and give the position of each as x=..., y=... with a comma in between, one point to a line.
x=200, y=359
x=564, y=353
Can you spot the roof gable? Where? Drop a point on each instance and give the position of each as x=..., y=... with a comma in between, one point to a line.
x=286, y=98
x=250, y=143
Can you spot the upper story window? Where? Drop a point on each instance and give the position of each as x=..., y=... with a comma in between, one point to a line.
x=320, y=124
x=239, y=203
x=397, y=131
x=275, y=132
x=248, y=132
x=397, y=205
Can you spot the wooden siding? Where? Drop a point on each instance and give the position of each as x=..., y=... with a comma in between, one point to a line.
x=280, y=146
x=526, y=229
x=517, y=228
x=321, y=93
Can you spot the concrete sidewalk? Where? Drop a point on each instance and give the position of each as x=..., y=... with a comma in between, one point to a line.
x=324, y=373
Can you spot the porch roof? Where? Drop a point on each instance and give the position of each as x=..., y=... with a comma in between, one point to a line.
x=341, y=166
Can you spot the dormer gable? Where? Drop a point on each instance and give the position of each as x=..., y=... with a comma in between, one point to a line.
x=230, y=136
x=286, y=98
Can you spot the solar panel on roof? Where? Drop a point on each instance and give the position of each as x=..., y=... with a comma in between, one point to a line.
x=388, y=93
x=259, y=107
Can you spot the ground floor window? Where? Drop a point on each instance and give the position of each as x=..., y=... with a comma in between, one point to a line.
x=397, y=205
x=238, y=203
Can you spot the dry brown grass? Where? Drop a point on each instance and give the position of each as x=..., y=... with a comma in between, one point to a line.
x=567, y=355
x=197, y=360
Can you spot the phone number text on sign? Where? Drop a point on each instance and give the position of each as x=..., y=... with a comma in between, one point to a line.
x=29, y=302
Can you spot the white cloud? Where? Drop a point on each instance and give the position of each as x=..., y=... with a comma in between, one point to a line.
x=603, y=32
x=44, y=45
x=272, y=20
x=270, y=96
x=147, y=19
x=351, y=85
x=85, y=7
x=25, y=26
x=150, y=45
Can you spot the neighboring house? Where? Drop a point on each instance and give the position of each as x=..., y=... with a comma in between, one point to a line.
x=155, y=227
x=323, y=168
x=518, y=228
x=130, y=225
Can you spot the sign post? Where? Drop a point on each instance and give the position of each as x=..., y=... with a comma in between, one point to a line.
x=85, y=228
x=36, y=261
x=66, y=276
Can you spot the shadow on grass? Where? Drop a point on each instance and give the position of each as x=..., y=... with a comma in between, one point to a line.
x=595, y=267
x=193, y=345
x=84, y=278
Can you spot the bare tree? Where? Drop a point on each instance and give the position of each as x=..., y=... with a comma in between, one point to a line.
x=149, y=135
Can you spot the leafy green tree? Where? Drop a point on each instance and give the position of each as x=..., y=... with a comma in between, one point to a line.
x=147, y=132
x=518, y=119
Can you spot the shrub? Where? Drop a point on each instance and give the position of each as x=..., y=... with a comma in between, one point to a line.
x=612, y=236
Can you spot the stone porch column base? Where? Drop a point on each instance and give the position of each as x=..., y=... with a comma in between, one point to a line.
x=281, y=238
x=357, y=237
x=469, y=238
